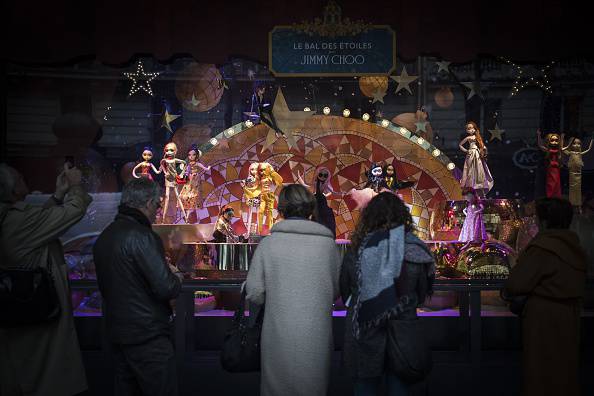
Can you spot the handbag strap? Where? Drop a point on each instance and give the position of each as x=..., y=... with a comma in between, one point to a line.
x=240, y=311
x=256, y=315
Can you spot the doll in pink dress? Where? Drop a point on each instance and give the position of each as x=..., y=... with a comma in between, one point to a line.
x=473, y=229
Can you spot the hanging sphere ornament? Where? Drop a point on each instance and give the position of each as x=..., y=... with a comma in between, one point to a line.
x=444, y=97
x=199, y=87
x=371, y=84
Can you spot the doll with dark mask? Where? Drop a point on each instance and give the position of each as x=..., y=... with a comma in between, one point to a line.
x=552, y=148
x=146, y=165
x=375, y=177
x=373, y=186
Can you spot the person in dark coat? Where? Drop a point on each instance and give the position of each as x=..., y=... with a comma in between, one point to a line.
x=137, y=285
x=322, y=191
x=551, y=271
x=35, y=358
x=383, y=243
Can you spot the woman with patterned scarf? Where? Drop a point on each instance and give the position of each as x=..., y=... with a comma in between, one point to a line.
x=386, y=273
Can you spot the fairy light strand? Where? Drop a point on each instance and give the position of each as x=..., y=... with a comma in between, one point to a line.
x=522, y=82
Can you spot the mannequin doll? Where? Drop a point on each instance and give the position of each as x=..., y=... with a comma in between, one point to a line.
x=554, y=142
x=251, y=192
x=146, y=165
x=476, y=174
x=473, y=229
x=173, y=169
x=191, y=192
x=575, y=165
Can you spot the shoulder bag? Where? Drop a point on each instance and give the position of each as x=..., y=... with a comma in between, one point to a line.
x=407, y=351
x=241, y=347
x=27, y=295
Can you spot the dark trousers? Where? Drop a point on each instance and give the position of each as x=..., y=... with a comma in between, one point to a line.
x=147, y=369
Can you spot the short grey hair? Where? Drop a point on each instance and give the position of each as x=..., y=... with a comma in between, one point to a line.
x=296, y=201
x=8, y=180
x=138, y=192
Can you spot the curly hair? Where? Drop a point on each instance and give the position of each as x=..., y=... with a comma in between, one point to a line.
x=385, y=211
x=479, y=139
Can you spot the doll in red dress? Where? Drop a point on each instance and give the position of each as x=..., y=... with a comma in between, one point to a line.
x=552, y=150
x=146, y=165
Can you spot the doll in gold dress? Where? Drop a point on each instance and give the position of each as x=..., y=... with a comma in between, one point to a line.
x=251, y=191
x=575, y=165
x=269, y=180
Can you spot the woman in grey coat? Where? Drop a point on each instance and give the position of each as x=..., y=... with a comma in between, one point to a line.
x=385, y=274
x=294, y=272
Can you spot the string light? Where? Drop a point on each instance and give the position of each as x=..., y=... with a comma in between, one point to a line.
x=326, y=110
x=420, y=140
x=451, y=166
x=436, y=153
x=385, y=123
x=346, y=112
x=522, y=82
x=249, y=123
x=365, y=117
x=214, y=141
x=306, y=109
x=141, y=80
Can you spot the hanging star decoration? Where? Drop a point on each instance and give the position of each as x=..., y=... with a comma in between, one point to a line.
x=141, y=80
x=443, y=65
x=538, y=77
x=421, y=126
x=194, y=102
x=378, y=96
x=475, y=89
x=168, y=119
x=404, y=80
x=287, y=120
x=496, y=133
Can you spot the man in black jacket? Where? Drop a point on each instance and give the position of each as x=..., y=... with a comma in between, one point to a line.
x=137, y=285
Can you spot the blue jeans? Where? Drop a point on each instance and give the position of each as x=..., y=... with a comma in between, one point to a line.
x=371, y=386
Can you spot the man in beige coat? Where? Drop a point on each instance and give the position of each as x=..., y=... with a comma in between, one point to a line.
x=42, y=359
